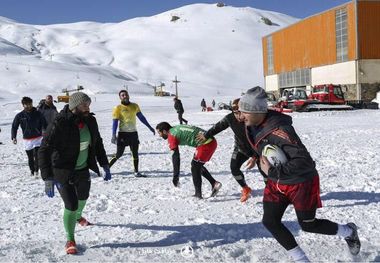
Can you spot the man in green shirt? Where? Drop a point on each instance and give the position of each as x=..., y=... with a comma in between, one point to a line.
x=186, y=135
x=70, y=147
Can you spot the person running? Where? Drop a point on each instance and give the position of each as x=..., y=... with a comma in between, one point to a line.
x=179, y=108
x=295, y=182
x=48, y=109
x=242, y=151
x=70, y=147
x=186, y=135
x=124, y=116
x=32, y=123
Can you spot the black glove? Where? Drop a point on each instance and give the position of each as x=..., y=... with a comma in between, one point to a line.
x=49, y=188
x=175, y=180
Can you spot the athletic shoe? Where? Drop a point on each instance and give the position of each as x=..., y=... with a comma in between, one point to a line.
x=215, y=188
x=71, y=247
x=245, y=193
x=138, y=174
x=353, y=241
x=83, y=222
x=198, y=195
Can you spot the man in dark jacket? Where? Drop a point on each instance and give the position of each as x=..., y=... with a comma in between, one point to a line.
x=70, y=147
x=48, y=109
x=179, y=108
x=242, y=150
x=32, y=123
x=294, y=182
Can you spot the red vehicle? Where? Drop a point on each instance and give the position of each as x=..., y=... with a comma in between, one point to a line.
x=323, y=97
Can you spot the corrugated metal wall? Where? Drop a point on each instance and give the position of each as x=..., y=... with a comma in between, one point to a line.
x=310, y=42
x=369, y=29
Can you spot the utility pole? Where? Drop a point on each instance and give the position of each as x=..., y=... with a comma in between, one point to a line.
x=176, y=88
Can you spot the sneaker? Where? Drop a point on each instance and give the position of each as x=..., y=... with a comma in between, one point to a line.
x=353, y=241
x=83, y=222
x=71, y=247
x=215, y=188
x=138, y=174
x=245, y=193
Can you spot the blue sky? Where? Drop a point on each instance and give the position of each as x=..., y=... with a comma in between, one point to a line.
x=67, y=11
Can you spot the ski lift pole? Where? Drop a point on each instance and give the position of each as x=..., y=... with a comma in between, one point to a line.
x=176, y=88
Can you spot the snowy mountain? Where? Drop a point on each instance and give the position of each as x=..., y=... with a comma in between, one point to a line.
x=214, y=50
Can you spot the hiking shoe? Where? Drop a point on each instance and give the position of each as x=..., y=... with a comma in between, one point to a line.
x=138, y=174
x=83, y=222
x=71, y=247
x=353, y=241
x=215, y=188
x=245, y=193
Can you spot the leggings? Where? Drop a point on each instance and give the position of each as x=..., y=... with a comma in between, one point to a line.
x=237, y=160
x=273, y=213
x=135, y=155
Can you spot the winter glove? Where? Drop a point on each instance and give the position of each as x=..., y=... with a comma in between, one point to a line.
x=175, y=180
x=152, y=130
x=49, y=188
x=107, y=173
x=114, y=139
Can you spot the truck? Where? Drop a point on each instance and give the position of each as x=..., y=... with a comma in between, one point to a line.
x=322, y=97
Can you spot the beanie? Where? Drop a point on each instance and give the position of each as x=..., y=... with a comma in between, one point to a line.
x=254, y=101
x=78, y=98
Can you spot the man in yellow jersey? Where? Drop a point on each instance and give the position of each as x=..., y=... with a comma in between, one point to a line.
x=124, y=116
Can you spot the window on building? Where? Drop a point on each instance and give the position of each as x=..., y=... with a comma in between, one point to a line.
x=341, y=35
x=270, y=55
x=297, y=78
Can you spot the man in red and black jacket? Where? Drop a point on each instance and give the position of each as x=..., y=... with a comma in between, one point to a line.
x=294, y=182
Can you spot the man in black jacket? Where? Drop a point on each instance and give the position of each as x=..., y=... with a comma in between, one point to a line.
x=179, y=108
x=70, y=147
x=242, y=150
x=32, y=123
x=294, y=182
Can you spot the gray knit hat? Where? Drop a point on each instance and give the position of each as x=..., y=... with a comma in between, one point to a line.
x=254, y=101
x=78, y=98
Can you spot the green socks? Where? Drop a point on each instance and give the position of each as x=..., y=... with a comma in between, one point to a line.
x=81, y=205
x=69, y=222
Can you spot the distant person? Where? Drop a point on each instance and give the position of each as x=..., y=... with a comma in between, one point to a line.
x=48, y=109
x=124, y=116
x=186, y=135
x=203, y=105
x=32, y=123
x=294, y=182
x=213, y=103
x=179, y=108
x=242, y=150
x=72, y=145
x=0, y=142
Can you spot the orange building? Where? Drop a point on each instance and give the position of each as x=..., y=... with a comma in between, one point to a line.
x=338, y=46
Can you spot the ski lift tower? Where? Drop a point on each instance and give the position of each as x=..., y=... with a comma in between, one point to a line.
x=176, y=88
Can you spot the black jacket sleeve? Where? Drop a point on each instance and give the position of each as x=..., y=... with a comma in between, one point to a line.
x=176, y=159
x=217, y=128
x=15, y=124
x=46, y=150
x=101, y=155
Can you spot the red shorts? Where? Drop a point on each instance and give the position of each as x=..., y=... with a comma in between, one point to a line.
x=303, y=196
x=204, y=152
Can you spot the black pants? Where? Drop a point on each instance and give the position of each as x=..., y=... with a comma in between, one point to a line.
x=273, y=213
x=73, y=186
x=181, y=119
x=237, y=160
x=198, y=170
x=33, y=159
x=130, y=139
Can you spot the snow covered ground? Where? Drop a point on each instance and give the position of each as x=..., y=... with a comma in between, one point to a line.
x=148, y=220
